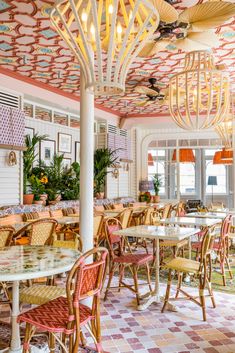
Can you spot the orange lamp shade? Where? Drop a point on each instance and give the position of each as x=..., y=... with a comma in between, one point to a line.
x=185, y=155
x=226, y=155
x=150, y=160
x=217, y=159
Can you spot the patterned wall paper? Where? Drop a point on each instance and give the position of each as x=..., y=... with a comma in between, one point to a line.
x=12, y=126
x=30, y=47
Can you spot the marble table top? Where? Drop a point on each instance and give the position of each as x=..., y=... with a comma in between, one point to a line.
x=191, y=221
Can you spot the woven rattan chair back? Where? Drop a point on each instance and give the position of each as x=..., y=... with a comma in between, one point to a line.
x=39, y=232
x=167, y=211
x=74, y=242
x=125, y=218
x=115, y=242
x=155, y=218
x=98, y=223
x=6, y=234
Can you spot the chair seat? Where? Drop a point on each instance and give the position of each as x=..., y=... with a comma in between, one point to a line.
x=54, y=316
x=168, y=243
x=183, y=265
x=135, y=259
x=40, y=294
x=196, y=245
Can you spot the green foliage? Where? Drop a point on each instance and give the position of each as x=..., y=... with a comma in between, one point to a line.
x=103, y=159
x=54, y=174
x=37, y=187
x=71, y=182
x=30, y=156
x=157, y=183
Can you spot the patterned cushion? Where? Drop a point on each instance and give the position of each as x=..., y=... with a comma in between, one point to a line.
x=54, y=316
x=40, y=294
x=30, y=215
x=67, y=211
x=135, y=259
x=44, y=214
x=56, y=213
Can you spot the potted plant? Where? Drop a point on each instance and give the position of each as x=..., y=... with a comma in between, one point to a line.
x=157, y=183
x=29, y=157
x=71, y=182
x=37, y=188
x=54, y=174
x=103, y=159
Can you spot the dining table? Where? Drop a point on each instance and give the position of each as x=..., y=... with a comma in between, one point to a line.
x=214, y=215
x=157, y=233
x=21, y=263
x=191, y=221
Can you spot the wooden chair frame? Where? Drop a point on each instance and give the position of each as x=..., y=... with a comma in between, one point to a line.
x=8, y=242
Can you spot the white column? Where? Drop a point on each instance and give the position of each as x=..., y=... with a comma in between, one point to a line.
x=86, y=160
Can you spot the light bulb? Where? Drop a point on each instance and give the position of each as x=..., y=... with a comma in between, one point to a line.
x=92, y=31
x=130, y=15
x=84, y=16
x=119, y=28
x=110, y=9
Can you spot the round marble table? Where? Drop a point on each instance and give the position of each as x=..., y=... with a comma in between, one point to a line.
x=29, y=262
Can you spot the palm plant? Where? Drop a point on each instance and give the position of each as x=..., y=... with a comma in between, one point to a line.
x=103, y=159
x=29, y=156
x=157, y=183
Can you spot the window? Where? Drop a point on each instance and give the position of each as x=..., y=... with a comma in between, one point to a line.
x=187, y=178
x=157, y=165
x=218, y=170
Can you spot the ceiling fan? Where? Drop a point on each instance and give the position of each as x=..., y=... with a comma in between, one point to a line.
x=152, y=92
x=192, y=30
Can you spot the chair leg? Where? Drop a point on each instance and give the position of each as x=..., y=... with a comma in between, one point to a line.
x=221, y=260
x=121, y=274
x=180, y=276
x=135, y=277
x=202, y=298
x=27, y=338
x=111, y=273
x=228, y=266
x=148, y=277
x=168, y=289
x=51, y=342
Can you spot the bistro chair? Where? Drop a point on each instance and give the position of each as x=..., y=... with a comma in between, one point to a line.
x=64, y=317
x=38, y=232
x=166, y=212
x=38, y=294
x=120, y=260
x=98, y=229
x=6, y=235
x=125, y=218
x=200, y=269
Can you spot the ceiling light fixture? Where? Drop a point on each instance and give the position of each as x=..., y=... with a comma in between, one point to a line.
x=105, y=36
x=225, y=129
x=199, y=95
x=217, y=159
x=186, y=155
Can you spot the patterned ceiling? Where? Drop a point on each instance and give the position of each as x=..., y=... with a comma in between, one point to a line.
x=30, y=47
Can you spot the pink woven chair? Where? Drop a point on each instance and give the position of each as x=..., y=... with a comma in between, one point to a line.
x=66, y=315
x=120, y=259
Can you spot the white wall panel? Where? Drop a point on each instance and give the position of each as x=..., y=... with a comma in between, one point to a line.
x=10, y=188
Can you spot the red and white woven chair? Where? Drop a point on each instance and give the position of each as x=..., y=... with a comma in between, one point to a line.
x=64, y=317
x=120, y=259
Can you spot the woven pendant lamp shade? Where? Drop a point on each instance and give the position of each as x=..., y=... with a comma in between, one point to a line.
x=185, y=156
x=150, y=160
x=105, y=37
x=217, y=159
x=226, y=155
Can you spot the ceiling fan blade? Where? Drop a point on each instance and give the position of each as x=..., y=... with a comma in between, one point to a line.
x=145, y=90
x=152, y=48
x=208, y=15
x=166, y=11
x=207, y=38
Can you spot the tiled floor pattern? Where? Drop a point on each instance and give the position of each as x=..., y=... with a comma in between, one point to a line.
x=126, y=330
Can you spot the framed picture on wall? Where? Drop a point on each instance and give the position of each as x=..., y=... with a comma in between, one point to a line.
x=67, y=163
x=77, y=151
x=47, y=149
x=64, y=143
x=29, y=131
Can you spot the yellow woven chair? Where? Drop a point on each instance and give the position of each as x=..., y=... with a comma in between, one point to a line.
x=6, y=234
x=125, y=217
x=39, y=294
x=39, y=232
x=201, y=270
x=98, y=232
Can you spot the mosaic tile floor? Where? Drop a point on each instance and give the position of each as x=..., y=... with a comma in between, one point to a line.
x=126, y=330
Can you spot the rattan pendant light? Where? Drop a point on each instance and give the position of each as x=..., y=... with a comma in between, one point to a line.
x=105, y=36
x=199, y=95
x=225, y=129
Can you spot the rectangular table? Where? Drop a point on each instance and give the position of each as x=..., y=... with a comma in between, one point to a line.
x=156, y=233
x=220, y=215
x=191, y=221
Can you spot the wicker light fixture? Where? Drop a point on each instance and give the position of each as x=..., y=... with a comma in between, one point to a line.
x=186, y=155
x=199, y=95
x=105, y=36
x=225, y=129
x=217, y=159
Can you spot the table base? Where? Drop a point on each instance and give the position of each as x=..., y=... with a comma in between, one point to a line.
x=155, y=299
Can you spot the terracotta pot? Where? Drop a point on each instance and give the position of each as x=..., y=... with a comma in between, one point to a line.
x=156, y=198
x=38, y=202
x=28, y=199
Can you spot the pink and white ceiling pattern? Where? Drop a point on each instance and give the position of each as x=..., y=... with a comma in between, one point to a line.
x=30, y=47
